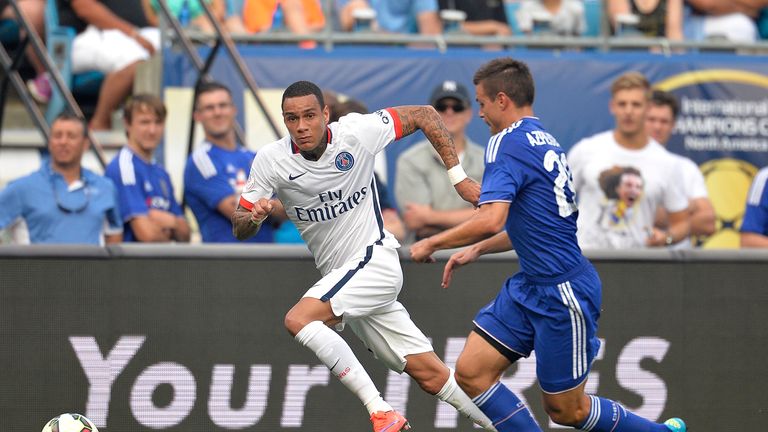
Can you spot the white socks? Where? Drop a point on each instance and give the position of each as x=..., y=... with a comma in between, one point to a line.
x=455, y=396
x=334, y=352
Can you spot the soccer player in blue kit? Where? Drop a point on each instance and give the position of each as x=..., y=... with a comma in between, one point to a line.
x=552, y=305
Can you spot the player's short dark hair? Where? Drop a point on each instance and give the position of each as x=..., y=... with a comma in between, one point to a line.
x=208, y=87
x=507, y=75
x=303, y=88
x=144, y=102
x=70, y=116
x=664, y=98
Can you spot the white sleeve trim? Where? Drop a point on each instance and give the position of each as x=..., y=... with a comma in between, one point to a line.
x=203, y=162
x=758, y=186
x=127, y=172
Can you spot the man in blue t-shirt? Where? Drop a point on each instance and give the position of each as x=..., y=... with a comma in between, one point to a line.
x=63, y=202
x=149, y=207
x=216, y=171
x=754, y=227
x=552, y=305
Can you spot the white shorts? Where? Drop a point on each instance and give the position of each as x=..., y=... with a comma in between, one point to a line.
x=364, y=293
x=109, y=50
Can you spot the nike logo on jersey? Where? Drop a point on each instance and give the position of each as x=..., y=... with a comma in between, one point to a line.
x=294, y=177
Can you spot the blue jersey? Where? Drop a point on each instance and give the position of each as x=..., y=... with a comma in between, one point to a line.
x=525, y=166
x=211, y=175
x=56, y=212
x=756, y=214
x=141, y=186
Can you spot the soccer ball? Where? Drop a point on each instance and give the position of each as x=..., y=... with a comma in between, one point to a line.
x=70, y=423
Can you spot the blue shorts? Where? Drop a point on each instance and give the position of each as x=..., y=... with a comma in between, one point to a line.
x=556, y=318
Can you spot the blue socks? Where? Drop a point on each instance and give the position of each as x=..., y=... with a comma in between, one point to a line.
x=606, y=415
x=505, y=410
x=509, y=414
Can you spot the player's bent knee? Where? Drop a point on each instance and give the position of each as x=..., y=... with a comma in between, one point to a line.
x=472, y=382
x=294, y=322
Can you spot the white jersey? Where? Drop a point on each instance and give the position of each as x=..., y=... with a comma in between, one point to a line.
x=333, y=201
x=611, y=218
x=694, y=184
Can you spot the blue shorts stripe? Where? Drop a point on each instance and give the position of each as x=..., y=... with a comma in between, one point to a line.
x=558, y=321
x=368, y=254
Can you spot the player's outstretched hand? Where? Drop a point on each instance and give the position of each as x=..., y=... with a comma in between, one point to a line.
x=261, y=210
x=469, y=190
x=421, y=251
x=464, y=256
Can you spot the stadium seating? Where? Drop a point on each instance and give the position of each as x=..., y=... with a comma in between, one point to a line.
x=9, y=32
x=593, y=12
x=85, y=85
x=762, y=23
x=510, y=9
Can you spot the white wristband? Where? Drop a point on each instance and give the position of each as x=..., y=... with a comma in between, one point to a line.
x=456, y=174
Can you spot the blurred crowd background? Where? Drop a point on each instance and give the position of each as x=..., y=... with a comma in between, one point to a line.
x=136, y=120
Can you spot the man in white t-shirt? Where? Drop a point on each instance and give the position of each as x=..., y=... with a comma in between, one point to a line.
x=323, y=175
x=659, y=123
x=600, y=162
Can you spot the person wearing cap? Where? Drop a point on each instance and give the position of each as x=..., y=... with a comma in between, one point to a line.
x=423, y=193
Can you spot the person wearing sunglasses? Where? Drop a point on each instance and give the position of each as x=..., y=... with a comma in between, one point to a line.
x=424, y=195
x=63, y=202
x=147, y=201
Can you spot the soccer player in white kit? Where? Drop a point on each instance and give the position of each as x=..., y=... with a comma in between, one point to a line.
x=323, y=174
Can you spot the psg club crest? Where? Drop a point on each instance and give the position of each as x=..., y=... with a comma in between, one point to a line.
x=344, y=161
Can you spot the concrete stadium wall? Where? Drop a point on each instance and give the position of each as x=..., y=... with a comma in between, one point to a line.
x=142, y=338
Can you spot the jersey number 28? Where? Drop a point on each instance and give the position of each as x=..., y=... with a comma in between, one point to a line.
x=566, y=206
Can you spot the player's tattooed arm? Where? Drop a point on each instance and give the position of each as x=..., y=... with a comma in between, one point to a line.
x=426, y=119
x=246, y=223
x=242, y=227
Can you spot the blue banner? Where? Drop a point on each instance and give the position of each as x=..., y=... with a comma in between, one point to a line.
x=723, y=123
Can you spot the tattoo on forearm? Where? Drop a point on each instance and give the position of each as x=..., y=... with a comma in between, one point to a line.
x=242, y=227
x=426, y=119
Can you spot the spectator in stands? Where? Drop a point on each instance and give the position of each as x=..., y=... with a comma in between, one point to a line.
x=233, y=16
x=560, y=17
x=484, y=18
x=733, y=20
x=754, y=227
x=406, y=16
x=426, y=198
x=113, y=36
x=298, y=16
x=149, y=208
x=659, y=123
x=392, y=221
x=64, y=202
x=216, y=171
x=227, y=12
x=346, y=11
x=34, y=11
x=628, y=146
x=655, y=18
